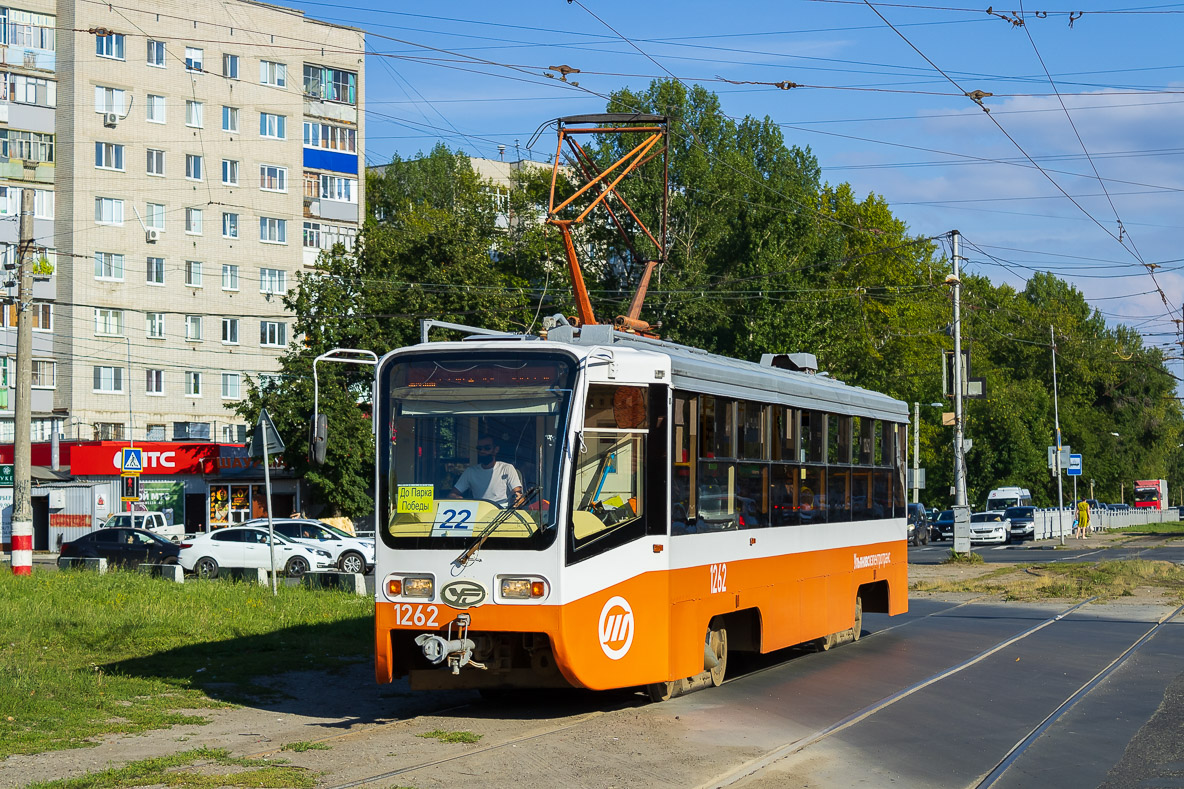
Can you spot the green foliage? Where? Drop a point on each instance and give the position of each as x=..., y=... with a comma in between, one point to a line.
x=451, y=737
x=162, y=647
x=304, y=745
x=171, y=771
x=970, y=557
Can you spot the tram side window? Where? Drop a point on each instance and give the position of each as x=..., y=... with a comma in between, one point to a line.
x=864, y=431
x=716, y=427
x=784, y=495
x=753, y=442
x=882, y=492
x=812, y=495
x=813, y=437
x=785, y=435
x=887, y=445
x=898, y=500
x=839, y=435
x=838, y=494
x=610, y=467
x=684, y=463
x=862, y=504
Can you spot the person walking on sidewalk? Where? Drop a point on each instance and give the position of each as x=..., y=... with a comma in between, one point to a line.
x=1082, y=519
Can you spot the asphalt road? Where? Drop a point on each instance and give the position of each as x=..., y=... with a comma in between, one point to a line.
x=1150, y=546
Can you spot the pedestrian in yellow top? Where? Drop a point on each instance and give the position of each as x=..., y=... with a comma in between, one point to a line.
x=1082, y=519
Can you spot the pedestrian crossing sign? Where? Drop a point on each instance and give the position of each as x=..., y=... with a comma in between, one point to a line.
x=132, y=461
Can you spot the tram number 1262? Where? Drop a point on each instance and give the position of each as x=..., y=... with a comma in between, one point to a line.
x=719, y=578
x=416, y=615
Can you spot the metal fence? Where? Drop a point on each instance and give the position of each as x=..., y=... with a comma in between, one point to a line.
x=1050, y=523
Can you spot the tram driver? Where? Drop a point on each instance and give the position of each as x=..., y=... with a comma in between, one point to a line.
x=489, y=479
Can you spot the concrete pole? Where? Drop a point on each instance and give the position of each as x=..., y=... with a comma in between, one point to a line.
x=1056, y=412
x=22, y=454
x=959, y=442
x=916, y=453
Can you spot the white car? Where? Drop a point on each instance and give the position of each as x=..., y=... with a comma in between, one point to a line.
x=155, y=522
x=350, y=554
x=238, y=546
x=989, y=527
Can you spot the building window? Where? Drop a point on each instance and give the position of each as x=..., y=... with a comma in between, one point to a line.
x=230, y=172
x=156, y=271
x=229, y=276
x=109, y=46
x=331, y=84
x=272, y=178
x=156, y=432
x=193, y=221
x=193, y=113
x=42, y=313
x=231, y=386
x=271, y=73
x=193, y=166
x=193, y=327
x=108, y=211
x=230, y=225
x=108, y=379
x=155, y=162
x=155, y=321
x=234, y=434
x=108, y=322
x=154, y=216
x=108, y=265
x=272, y=230
x=193, y=59
x=330, y=137
x=43, y=201
x=193, y=274
x=192, y=384
x=109, y=100
x=273, y=280
x=154, y=385
x=30, y=90
x=273, y=333
x=230, y=331
x=230, y=66
x=44, y=374
x=321, y=236
x=33, y=146
x=272, y=126
x=230, y=119
x=155, y=53
x=109, y=431
x=109, y=155
x=155, y=109
x=334, y=187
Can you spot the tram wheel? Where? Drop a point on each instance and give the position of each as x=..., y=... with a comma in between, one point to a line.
x=664, y=691
x=858, y=627
x=717, y=642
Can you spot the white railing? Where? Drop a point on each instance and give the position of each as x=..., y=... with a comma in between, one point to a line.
x=1048, y=525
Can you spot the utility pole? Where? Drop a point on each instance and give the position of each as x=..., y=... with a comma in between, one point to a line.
x=916, y=452
x=959, y=443
x=22, y=504
x=1056, y=412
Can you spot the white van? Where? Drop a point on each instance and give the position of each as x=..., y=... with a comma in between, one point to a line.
x=154, y=522
x=1002, y=498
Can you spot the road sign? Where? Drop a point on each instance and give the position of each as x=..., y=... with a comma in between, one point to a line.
x=265, y=432
x=1074, y=468
x=6, y=475
x=961, y=529
x=1052, y=451
x=130, y=489
x=132, y=461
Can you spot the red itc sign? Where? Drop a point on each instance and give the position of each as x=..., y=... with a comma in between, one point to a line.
x=160, y=459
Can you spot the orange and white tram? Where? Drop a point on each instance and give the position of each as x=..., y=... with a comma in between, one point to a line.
x=638, y=509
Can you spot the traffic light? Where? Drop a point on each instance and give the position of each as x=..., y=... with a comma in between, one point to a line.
x=318, y=436
x=130, y=488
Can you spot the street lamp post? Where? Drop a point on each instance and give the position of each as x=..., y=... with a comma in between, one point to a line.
x=1121, y=483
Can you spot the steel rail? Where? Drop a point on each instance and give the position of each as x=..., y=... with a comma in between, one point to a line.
x=1020, y=747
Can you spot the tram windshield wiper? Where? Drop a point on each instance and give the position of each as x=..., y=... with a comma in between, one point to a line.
x=494, y=523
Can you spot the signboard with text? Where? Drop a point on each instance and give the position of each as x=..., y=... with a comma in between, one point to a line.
x=6, y=475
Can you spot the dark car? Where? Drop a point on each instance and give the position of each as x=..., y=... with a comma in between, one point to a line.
x=945, y=525
x=918, y=525
x=1023, y=522
x=122, y=547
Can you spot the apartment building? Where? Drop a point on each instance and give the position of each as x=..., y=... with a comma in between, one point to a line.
x=28, y=101
x=205, y=152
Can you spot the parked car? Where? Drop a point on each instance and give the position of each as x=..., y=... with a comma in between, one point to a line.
x=239, y=546
x=350, y=554
x=918, y=525
x=152, y=521
x=122, y=547
x=989, y=527
x=1023, y=522
x=944, y=525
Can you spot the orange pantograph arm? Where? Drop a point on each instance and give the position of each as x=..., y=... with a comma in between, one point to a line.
x=583, y=304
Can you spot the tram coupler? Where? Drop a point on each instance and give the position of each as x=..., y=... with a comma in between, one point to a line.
x=456, y=652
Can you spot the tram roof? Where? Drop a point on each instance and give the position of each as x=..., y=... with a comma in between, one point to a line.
x=709, y=373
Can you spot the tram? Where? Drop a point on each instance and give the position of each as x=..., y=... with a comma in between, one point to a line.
x=599, y=509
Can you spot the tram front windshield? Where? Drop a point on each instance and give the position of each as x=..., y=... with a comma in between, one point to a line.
x=473, y=449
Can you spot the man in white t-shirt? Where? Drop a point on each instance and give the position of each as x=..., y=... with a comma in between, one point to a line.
x=491, y=479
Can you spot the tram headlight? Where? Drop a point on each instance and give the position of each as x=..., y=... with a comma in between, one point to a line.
x=418, y=587
x=523, y=588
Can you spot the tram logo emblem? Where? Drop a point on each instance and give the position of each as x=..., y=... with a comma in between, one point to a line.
x=463, y=594
x=616, y=628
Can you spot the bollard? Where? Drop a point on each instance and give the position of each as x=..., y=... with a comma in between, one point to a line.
x=68, y=562
x=170, y=572
x=22, y=546
x=250, y=575
x=355, y=583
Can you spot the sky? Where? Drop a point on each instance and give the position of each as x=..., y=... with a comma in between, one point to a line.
x=1076, y=169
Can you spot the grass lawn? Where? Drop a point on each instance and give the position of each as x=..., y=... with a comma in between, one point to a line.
x=83, y=654
x=1171, y=527
x=1062, y=580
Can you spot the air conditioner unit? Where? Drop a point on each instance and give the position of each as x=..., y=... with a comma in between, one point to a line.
x=152, y=235
x=110, y=120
